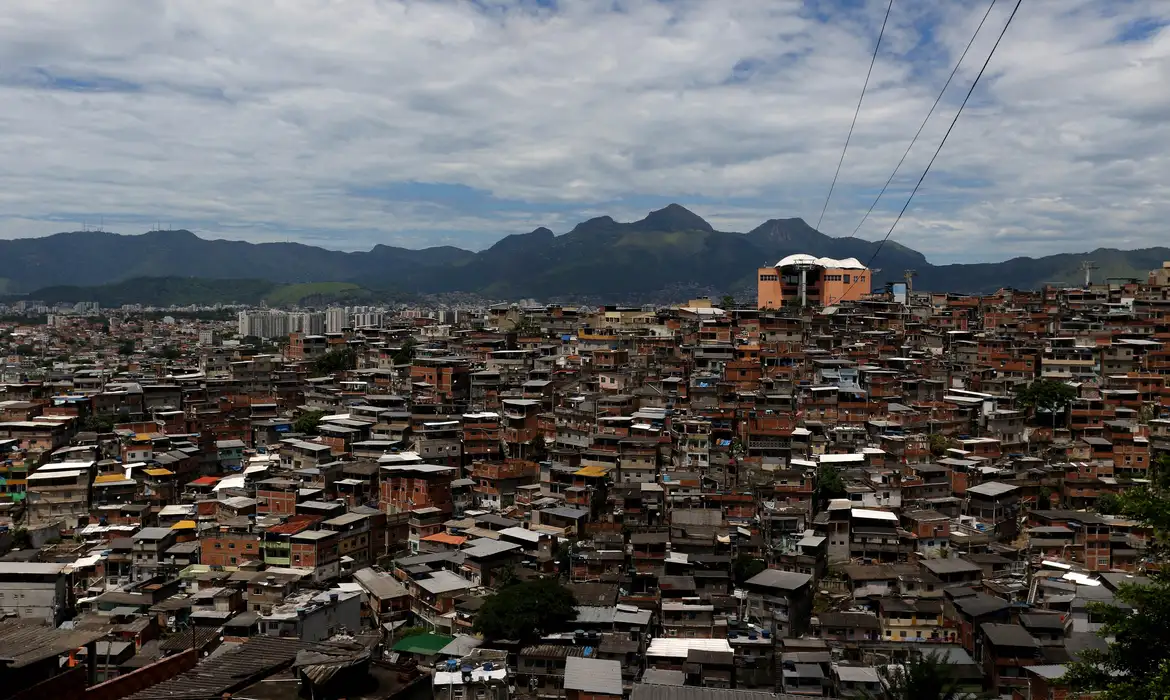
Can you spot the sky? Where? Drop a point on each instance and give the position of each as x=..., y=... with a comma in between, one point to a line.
x=349, y=123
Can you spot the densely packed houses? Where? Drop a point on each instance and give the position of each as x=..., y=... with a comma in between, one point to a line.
x=780, y=501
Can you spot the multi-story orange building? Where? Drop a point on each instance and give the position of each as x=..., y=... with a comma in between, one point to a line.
x=228, y=546
x=482, y=436
x=409, y=487
x=497, y=482
x=449, y=376
x=805, y=280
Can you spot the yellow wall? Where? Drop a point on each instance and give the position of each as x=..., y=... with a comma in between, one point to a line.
x=769, y=292
x=834, y=288
x=828, y=286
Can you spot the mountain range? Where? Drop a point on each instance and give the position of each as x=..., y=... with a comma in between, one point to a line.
x=671, y=253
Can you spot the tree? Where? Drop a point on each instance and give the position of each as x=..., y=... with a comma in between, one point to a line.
x=745, y=567
x=938, y=444
x=404, y=354
x=1160, y=472
x=599, y=498
x=336, y=361
x=1046, y=396
x=1107, y=504
x=99, y=422
x=926, y=677
x=170, y=352
x=727, y=302
x=21, y=539
x=507, y=577
x=1137, y=662
x=307, y=422
x=564, y=558
x=535, y=450
x=526, y=611
x=126, y=348
x=830, y=485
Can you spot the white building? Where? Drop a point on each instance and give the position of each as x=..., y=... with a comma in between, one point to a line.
x=265, y=324
x=314, y=617
x=34, y=591
x=336, y=318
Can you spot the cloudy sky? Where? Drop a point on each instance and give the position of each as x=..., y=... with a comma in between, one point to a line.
x=346, y=123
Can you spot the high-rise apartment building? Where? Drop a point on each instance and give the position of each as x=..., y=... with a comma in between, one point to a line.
x=336, y=318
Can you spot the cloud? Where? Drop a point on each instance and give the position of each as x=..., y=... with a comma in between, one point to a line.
x=347, y=124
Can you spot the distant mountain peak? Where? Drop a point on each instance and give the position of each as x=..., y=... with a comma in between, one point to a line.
x=794, y=228
x=597, y=223
x=673, y=217
x=520, y=241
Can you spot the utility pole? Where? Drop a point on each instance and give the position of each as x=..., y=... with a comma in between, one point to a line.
x=909, y=275
x=1088, y=266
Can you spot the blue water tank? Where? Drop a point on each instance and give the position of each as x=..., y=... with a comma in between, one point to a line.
x=588, y=651
x=487, y=666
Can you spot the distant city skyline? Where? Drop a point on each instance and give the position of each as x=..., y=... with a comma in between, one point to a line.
x=419, y=124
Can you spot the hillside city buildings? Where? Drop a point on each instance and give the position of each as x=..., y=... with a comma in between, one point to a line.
x=272, y=323
x=781, y=500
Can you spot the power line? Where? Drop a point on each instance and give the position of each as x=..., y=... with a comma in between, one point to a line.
x=857, y=111
x=928, y=115
x=943, y=142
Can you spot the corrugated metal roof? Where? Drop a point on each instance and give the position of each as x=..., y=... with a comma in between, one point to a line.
x=27, y=644
x=680, y=647
x=589, y=675
x=652, y=691
x=254, y=659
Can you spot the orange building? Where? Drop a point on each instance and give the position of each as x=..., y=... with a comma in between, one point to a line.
x=804, y=280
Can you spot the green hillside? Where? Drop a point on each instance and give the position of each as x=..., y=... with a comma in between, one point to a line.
x=297, y=294
x=181, y=291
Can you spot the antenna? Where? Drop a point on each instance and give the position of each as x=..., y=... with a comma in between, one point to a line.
x=1088, y=266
